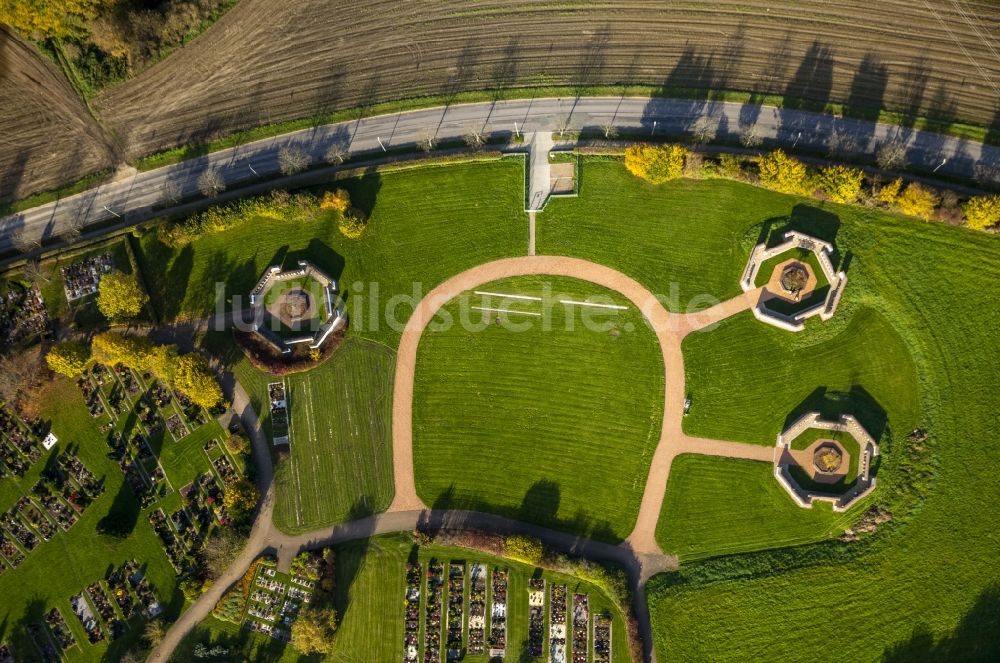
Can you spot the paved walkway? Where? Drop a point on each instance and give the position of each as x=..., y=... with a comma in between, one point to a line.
x=640, y=555
x=539, y=171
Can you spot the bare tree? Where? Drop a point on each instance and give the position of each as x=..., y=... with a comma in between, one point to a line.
x=171, y=192
x=703, y=131
x=210, y=183
x=34, y=273
x=336, y=154
x=610, y=130
x=72, y=228
x=843, y=144
x=24, y=241
x=21, y=374
x=562, y=123
x=891, y=156
x=985, y=175
x=292, y=159
x=750, y=137
x=474, y=136
x=427, y=141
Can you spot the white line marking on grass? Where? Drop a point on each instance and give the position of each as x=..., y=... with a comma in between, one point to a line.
x=500, y=294
x=616, y=307
x=505, y=310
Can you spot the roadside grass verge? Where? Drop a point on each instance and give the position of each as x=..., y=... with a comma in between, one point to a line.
x=553, y=426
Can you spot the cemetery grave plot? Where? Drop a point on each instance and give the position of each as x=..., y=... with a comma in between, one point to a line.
x=581, y=628
x=279, y=412
x=22, y=314
x=10, y=552
x=98, y=599
x=54, y=503
x=275, y=601
x=142, y=470
x=456, y=609
x=222, y=466
x=411, y=613
x=602, y=638
x=498, y=614
x=536, y=616
x=82, y=278
x=185, y=531
x=19, y=439
x=557, y=624
x=104, y=607
x=432, y=609
x=477, y=609
x=59, y=629
x=81, y=608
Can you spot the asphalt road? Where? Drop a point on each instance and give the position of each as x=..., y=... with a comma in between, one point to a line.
x=132, y=199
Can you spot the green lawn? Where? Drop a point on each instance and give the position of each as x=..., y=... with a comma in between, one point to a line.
x=425, y=225
x=723, y=506
x=340, y=466
x=369, y=598
x=748, y=380
x=912, y=345
x=554, y=424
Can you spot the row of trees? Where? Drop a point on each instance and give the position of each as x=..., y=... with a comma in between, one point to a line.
x=842, y=184
x=188, y=373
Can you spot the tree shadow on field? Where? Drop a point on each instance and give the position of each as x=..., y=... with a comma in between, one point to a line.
x=176, y=281
x=975, y=638
x=865, y=101
x=808, y=90
x=689, y=84
x=364, y=191
x=539, y=506
x=349, y=566
x=813, y=221
x=541, y=502
x=832, y=404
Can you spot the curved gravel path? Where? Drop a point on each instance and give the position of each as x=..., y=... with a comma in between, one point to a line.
x=639, y=554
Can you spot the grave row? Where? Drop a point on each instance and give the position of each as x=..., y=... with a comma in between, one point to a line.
x=465, y=614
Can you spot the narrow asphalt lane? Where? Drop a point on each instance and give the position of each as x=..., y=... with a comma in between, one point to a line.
x=134, y=198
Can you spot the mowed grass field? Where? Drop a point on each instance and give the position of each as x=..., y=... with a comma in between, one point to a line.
x=912, y=345
x=424, y=226
x=340, y=462
x=72, y=560
x=748, y=380
x=371, y=583
x=723, y=506
x=544, y=419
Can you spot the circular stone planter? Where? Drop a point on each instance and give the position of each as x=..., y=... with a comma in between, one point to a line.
x=828, y=458
x=794, y=278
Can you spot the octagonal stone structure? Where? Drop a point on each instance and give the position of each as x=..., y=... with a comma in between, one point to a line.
x=775, y=290
x=808, y=461
x=307, y=301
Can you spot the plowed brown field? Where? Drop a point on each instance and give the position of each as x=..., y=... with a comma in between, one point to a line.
x=47, y=137
x=268, y=61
